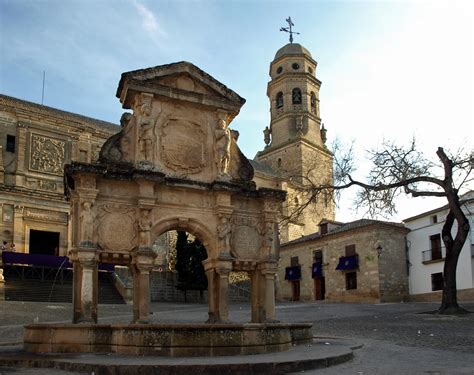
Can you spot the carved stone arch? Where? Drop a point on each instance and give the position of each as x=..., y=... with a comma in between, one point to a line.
x=206, y=236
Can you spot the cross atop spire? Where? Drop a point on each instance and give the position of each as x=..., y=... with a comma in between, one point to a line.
x=288, y=29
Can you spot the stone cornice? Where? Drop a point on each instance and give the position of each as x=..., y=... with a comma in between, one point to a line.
x=300, y=76
x=174, y=93
x=126, y=172
x=268, y=151
x=316, y=237
x=11, y=104
x=181, y=67
x=288, y=56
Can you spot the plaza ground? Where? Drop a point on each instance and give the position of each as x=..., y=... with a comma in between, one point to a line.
x=399, y=338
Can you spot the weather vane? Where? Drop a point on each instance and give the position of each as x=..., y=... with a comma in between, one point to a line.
x=288, y=29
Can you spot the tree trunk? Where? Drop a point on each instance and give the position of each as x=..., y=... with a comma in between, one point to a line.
x=449, y=302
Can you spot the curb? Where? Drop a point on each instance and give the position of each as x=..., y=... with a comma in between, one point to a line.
x=321, y=354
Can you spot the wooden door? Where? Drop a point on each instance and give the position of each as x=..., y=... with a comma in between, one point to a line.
x=296, y=290
x=319, y=288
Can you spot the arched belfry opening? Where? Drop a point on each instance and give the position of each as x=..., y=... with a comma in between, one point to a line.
x=175, y=165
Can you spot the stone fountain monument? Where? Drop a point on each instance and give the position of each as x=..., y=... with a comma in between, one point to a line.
x=175, y=164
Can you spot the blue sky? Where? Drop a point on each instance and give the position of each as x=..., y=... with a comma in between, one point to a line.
x=390, y=69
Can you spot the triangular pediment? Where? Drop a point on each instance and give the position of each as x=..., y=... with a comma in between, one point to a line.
x=183, y=79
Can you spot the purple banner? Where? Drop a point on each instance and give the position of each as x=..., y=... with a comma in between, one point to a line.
x=42, y=260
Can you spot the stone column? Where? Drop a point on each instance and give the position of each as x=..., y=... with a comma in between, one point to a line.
x=142, y=265
x=85, y=286
x=223, y=291
x=21, y=162
x=269, y=297
x=211, y=293
x=255, y=298
x=18, y=229
x=268, y=272
x=76, y=291
x=223, y=268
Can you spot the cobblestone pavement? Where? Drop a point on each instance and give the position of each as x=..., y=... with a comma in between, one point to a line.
x=398, y=338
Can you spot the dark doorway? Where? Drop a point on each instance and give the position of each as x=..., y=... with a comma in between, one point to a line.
x=319, y=288
x=296, y=290
x=43, y=242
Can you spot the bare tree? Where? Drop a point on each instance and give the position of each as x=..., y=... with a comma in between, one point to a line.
x=398, y=170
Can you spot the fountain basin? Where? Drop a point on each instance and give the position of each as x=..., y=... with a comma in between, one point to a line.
x=172, y=340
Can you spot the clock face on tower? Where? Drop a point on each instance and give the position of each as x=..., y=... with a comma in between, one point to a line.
x=295, y=66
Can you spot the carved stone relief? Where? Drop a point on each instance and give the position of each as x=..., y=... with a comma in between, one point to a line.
x=224, y=232
x=245, y=238
x=47, y=155
x=116, y=227
x=86, y=222
x=146, y=126
x=183, y=146
x=222, y=147
x=42, y=215
x=40, y=184
x=144, y=226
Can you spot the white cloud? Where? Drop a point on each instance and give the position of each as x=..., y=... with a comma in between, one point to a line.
x=149, y=21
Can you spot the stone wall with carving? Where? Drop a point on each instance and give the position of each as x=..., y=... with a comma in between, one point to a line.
x=44, y=140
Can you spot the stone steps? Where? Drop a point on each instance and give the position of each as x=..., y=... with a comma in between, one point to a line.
x=16, y=289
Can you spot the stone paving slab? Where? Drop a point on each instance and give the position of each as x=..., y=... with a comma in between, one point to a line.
x=324, y=352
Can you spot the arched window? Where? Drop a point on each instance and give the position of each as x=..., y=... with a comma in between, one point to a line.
x=296, y=96
x=313, y=102
x=279, y=100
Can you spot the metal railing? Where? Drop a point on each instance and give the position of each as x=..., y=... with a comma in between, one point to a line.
x=432, y=254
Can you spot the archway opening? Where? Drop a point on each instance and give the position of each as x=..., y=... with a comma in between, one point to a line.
x=178, y=275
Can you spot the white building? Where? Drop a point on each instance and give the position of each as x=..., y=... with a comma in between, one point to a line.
x=426, y=254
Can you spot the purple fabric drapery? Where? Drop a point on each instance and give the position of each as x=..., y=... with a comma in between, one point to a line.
x=42, y=260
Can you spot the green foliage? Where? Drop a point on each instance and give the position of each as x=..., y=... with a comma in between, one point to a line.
x=189, y=257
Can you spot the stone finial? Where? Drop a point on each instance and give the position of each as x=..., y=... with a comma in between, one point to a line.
x=266, y=136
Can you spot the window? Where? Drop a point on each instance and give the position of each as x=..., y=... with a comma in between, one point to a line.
x=318, y=256
x=350, y=250
x=279, y=100
x=434, y=219
x=279, y=70
x=296, y=96
x=83, y=156
x=351, y=280
x=313, y=103
x=10, y=143
x=437, y=281
x=294, y=261
x=310, y=70
x=323, y=228
x=435, y=246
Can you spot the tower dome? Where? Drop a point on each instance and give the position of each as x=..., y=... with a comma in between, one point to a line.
x=292, y=49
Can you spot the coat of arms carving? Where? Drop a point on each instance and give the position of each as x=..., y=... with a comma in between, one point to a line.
x=183, y=146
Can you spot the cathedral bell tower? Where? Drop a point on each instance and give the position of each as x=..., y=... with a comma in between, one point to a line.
x=295, y=141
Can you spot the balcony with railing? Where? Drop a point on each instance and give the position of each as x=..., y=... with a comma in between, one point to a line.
x=433, y=255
